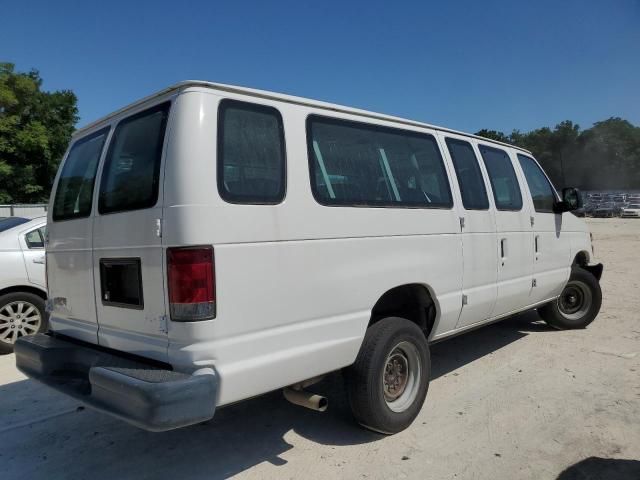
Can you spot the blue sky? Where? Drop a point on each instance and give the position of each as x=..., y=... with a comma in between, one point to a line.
x=465, y=65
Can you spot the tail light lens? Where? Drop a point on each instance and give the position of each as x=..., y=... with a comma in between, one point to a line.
x=191, y=279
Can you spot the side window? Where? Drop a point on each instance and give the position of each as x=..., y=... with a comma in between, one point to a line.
x=367, y=165
x=74, y=192
x=34, y=239
x=472, y=188
x=251, y=153
x=504, y=182
x=131, y=174
x=542, y=192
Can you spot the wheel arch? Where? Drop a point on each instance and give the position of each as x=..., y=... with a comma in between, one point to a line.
x=24, y=288
x=581, y=259
x=414, y=301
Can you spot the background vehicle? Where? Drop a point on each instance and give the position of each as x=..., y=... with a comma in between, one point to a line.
x=604, y=210
x=22, y=279
x=215, y=243
x=632, y=211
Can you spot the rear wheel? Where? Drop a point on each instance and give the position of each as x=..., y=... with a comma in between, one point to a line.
x=388, y=382
x=578, y=304
x=21, y=313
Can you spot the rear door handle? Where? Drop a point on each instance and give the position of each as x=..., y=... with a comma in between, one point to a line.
x=537, y=245
x=503, y=250
x=39, y=260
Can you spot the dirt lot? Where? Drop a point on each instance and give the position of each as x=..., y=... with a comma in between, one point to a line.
x=513, y=400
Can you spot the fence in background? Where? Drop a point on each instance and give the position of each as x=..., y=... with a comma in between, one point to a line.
x=23, y=210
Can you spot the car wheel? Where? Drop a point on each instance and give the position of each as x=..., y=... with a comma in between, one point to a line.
x=578, y=304
x=388, y=382
x=21, y=313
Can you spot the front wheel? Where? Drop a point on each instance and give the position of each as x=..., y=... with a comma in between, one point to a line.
x=388, y=382
x=578, y=304
x=21, y=313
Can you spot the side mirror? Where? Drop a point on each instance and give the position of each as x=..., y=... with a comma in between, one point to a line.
x=571, y=200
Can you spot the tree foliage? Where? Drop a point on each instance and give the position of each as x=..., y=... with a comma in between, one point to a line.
x=35, y=128
x=605, y=156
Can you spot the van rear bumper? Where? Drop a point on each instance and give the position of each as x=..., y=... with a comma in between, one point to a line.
x=145, y=395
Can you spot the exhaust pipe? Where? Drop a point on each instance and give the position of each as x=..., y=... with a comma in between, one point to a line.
x=306, y=399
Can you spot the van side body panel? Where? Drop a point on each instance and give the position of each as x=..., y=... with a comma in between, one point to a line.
x=295, y=282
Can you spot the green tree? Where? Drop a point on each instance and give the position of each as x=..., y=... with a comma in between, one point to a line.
x=35, y=128
x=605, y=156
x=494, y=135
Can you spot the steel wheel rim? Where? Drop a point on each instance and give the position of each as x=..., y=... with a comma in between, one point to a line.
x=575, y=300
x=18, y=319
x=401, y=376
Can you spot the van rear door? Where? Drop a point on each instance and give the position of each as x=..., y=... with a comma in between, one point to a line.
x=128, y=272
x=70, y=242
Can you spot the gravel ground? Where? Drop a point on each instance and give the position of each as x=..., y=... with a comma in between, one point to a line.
x=514, y=400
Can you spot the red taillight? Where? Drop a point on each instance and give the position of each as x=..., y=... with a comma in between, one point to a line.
x=191, y=279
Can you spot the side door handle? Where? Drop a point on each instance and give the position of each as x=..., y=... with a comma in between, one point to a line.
x=503, y=250
x=537, y=246
x=39, y=260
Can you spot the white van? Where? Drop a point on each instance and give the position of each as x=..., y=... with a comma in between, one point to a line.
x=211, y=243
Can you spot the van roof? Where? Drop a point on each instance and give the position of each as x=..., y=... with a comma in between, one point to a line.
x=288, y=99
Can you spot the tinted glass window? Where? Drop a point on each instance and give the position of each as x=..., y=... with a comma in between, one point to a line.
x=358, y=164
x=7, y=223
x=34, y=239
x=472, y=188
x=251, y=153
x=541, y=190
x=504, y=182
x=132, y=169
x=74, y=193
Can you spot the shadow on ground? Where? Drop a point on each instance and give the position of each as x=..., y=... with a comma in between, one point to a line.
x=595, y=468
x=51, y=436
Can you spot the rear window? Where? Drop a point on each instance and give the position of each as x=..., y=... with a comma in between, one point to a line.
x=7, y=223
x=357, y=164
x=74, y=193
x=131, y=175
x=251, y=153
x=35, y=239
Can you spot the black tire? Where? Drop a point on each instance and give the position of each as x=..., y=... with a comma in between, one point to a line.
x=563, y=314
x=10, y=299
x=365, y=380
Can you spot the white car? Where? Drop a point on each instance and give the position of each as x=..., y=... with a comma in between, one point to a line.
x=211, y=243
x=631, y=211
x=22, y=279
